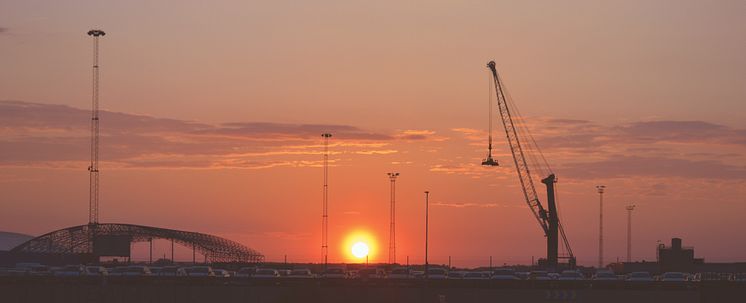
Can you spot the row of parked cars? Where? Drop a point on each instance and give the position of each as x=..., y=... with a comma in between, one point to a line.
x=435, y=273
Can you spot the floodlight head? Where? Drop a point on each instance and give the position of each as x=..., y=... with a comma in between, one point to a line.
x=96, y=33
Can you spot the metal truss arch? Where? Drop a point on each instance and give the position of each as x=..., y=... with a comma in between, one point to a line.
x=79, y=240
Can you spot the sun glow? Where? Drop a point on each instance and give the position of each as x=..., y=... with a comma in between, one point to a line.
x=360, y=249
x=358, y=245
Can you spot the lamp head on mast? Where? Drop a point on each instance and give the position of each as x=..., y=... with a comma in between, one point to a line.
x=96, y=33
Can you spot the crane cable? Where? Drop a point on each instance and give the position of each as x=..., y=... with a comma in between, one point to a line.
x=489, y=97
x=544, y=169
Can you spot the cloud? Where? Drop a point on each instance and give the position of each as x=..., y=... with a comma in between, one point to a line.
x=468, y=205
x=584, y=149
x=57, y=135
x=631, y=166
x=419, y=135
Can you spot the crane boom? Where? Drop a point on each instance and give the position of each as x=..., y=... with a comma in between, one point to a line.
x=519, y=157
x=548, y=218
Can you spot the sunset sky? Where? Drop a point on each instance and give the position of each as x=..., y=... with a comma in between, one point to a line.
x=213, y=110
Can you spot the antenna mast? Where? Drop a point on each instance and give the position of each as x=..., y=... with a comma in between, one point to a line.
x=93, y=168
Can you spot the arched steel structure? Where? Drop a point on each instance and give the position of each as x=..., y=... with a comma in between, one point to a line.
x=80, y=239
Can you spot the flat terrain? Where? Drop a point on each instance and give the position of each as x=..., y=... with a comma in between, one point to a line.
x=150, y=289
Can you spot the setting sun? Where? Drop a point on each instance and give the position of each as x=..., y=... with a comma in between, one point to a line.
x=360, y=249
x=359, y=244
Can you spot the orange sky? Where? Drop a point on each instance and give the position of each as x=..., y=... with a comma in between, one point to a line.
x=213, y=115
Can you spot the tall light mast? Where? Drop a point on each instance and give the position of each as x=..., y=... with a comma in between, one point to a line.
x=392, y=228
x=630, y=208
x=325, y=211
x=600, y=189
x=93, y=168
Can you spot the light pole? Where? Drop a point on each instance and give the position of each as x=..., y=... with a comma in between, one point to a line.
x=600, y=189
x=325, y=206
x=427, y=202
x=392, y=228
x=630, y=208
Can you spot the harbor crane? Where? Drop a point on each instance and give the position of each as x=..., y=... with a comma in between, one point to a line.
x=526, y=156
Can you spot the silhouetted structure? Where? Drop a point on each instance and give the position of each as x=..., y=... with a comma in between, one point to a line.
x=113, y=240
x=392, y=226
x=676, y=257
x=93, y=168
x=325, y=206
x=527, y=156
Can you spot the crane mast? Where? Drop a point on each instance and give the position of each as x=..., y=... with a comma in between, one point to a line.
x=548, y=218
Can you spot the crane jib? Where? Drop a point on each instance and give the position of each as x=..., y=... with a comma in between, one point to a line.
x=548, y=219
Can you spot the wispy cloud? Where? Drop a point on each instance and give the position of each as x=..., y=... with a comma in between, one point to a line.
x=56, y=136
x=471, y=205
x=583, y=149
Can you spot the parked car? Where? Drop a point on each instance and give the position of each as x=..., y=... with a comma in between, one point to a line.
x=399, y=273
x=371, y=273
x=222, y=273
x=137, y=271
x=335, y=273
x=266, y=273
x=303, y=273
x=117, y=271
x=539, y=275
x=571, y=275
x=456, y=275
x=32, y=269
x=199, y=271
x=417, y=274
x=245, y=272
x=504, y=274
x=70, y=271
x=604, y=275
x=711, y=276
x=437, y=273
x=673, y=277
x=98, y=271
x=639, y=276
x=476, y=275
x=738, y=277
x=172, y=271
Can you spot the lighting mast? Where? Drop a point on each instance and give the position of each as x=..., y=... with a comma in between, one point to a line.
x=325, y=213
x=392, y=228
x=93, y=168
x=630, y=208
x=600, y=189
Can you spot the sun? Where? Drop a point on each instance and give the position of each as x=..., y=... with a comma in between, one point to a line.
x=359, y=244
x=360, y=249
